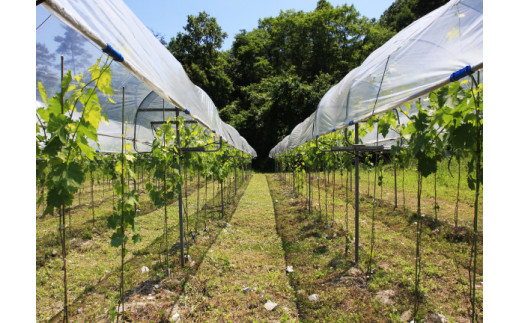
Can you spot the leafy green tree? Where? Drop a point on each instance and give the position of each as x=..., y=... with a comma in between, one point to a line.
x=403, y=12
x=272, y=108
x=274, y=75
x=248, y=58
x=326, y=40
x=159, y=36
x=198, y=51
x=281, y=69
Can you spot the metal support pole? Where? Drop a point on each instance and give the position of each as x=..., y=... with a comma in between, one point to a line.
x=310, y=185
x=62, y=231
x=122, y=281
x=181, y=227
x=357, y=196
x=395, y=185
x=222, y=197
x=165, y=238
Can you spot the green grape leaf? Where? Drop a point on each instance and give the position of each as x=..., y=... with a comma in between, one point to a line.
x=67, y=78
x=87, y=150
x=136, y=238
x=113, y=221
x=43, y=93
x=117, y=238
x=463, y=137
x=426, y=164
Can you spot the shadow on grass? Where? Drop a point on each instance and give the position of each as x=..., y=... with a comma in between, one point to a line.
x=152, y=250
x=85, y=230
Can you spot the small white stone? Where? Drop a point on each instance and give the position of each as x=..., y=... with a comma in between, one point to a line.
x=406, y=316
x=144, y=269
x=436, y=318
x=385, y=296
x=270, y=305
x=290, y=269
x=176, y=317
x=314, y=298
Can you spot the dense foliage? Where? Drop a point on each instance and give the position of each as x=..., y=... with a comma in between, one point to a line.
x=403, y=12
x=274, y=75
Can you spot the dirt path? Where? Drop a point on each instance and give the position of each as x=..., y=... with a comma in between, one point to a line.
x=244, y=269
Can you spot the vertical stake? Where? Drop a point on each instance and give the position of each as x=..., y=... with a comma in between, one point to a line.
x=92, y=199
x=222, y=198
x=310, y=186
x=357, y=196
x=395, y=184
x=181, y=227
x=62, y=227
x=165, y=239
x=122, y=286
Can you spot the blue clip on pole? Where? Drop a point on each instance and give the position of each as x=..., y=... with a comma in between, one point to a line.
x=113, y=53
x=460, y=74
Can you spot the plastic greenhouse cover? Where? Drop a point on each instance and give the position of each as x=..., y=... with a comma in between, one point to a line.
x=419, y=59
x=111, y=22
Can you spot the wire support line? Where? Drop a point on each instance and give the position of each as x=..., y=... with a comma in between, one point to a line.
x=43, y=21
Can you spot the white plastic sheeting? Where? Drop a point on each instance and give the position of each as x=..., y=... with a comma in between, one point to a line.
x=417, y=60
x=112, y=22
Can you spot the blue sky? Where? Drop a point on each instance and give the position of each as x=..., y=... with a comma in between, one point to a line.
x=169, y=16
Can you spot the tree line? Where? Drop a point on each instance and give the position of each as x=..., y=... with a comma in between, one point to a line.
x=274, y=76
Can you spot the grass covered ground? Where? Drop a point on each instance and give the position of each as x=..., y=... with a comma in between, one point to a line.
x=239, y=263
x=315, y=246
x=244, y=269
x=93, y=265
